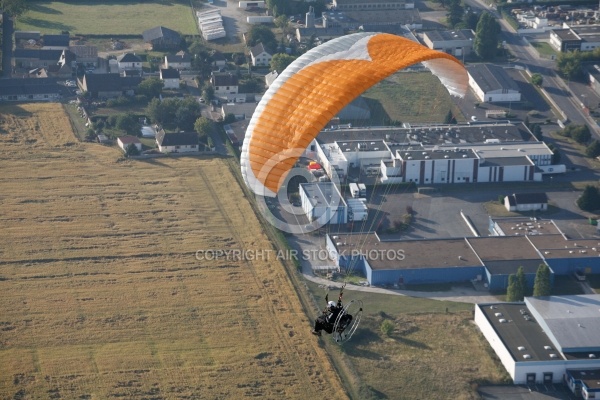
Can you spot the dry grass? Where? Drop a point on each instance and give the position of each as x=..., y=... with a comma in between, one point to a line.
x=101, y=293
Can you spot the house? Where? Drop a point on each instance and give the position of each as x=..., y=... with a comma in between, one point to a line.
x=458, y=42
x=125, y=141
x=85, y=55
x=239, y=110
x=38, y=73
x=162, y=38
x=129, y=61
x=526, y=202
x=180, y=142
x=181, y=61
x=170, y=78
x=260, y=56
x=55, y=42
x=218, y=60
x=224, y=83
x=29, y=89
x=492, y=84
x=34, y=58
x=108, y=85
x=27, y=35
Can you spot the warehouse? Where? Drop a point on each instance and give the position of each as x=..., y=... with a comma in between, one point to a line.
x=546, y=339
x=322, y=202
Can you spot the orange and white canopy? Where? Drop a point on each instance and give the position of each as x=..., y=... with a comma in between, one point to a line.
x=316, y=87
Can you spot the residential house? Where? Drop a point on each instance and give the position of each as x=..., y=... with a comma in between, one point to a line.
x=34, y=58
x=55, y=42
x=181, y=61
x=260, y=56
x=108, y=85
x=162, y=38
x=492, y=84
x=125, y=141
x=38, y=73
x=238, y=110
x=85, y=55
x=224, y=83
x=526, y=202
x=218, y=60
x=27, y=35
x=29, y=89
x=180, y=142
x=458, y=42
x=170, y=78
x=128, y=62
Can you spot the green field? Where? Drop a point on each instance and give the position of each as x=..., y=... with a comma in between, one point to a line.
x=107, y=17
x=414, y=97
x=544, y=49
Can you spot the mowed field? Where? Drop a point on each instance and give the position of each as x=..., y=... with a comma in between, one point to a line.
x=107, y=17
x=414, y=97
x=100, y=290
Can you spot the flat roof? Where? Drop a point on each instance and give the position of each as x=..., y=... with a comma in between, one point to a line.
x=506, y=161
x=496, y=248
x=527, y=226
x=590, y=377
x=456, y=34
x=417, y=253
x=520, y=332
x=574, y=321
x=512, y=149
x=322, y=194
x=362, y=145
x=491, y=77
x=457, y=153
x=566, y=34
x=507, y=267
x=544, y=242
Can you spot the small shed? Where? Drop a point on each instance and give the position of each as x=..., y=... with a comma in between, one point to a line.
x=526, y=202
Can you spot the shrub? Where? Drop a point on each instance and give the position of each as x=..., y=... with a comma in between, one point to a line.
x=387, y=327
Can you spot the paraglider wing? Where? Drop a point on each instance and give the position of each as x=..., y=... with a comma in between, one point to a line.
x=316, y=87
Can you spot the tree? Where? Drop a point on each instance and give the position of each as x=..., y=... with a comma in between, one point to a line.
x=187, y=112
x=486, y=36
x=470, y=20
x=208, y=93
x=280, y=61
x=542, y=287
x=522, y=283
x=555, y=154
x=449, y=119
x=15, y=8
x=537, y=79
x=229, y=118
x=282, y=22
x=155, y=111
x=512, y=291
x=132, y=150
x=455, y=12
x=151, y=87
x=261, y=34
x=568, y=64
x=580, y=133
x=203, y=126
x=589, y=199
x=387, y=327
x=536, y=129
x=129, y=124
x=593, y=150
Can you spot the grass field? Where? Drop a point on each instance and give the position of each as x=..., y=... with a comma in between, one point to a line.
x=415, y=97
x=109, y=17
x=431, y=354
x=102, y=295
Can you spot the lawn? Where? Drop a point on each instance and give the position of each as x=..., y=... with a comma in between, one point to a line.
x=414, y=97
x=101, y=290
x=430, y=353
x=109, y=17
x=544, y=49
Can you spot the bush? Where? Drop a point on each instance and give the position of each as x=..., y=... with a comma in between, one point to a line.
x=387, y=327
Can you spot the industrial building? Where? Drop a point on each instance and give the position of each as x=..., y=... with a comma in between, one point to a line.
x=322, y=202
x=547, y=340
x=491, y=84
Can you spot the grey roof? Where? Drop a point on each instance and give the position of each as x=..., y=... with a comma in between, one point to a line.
x=176, y=139
x=506, y=161
x=530, y=198
x=17, y=86
x=169, y=73
x=180, y=57
x=322, y=32
x=323, y=194
x=110, y=82
x=259, y=48
x=40, y=54
x=128, y=57
x=507, y=267
x=226, y=79
x=84, y=51
x=160, y=32
x=573, y=322
x=56, y=40
x=491, y=77
x=458, y=34
x=566, y=34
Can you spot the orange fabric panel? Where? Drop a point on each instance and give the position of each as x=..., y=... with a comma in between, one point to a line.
x=309, y=99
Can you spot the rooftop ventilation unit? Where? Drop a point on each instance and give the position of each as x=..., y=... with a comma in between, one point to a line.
x=502, y=321
x=552, y=355
x=521, y=348
x=547, y=347
x=592, y=355
x=526, y=356
x=498, y=314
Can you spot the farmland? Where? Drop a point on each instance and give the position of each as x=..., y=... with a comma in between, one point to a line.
x=101, y=292
x=108, y=17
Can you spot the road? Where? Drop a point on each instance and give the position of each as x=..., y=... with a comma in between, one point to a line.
x=563, y=95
